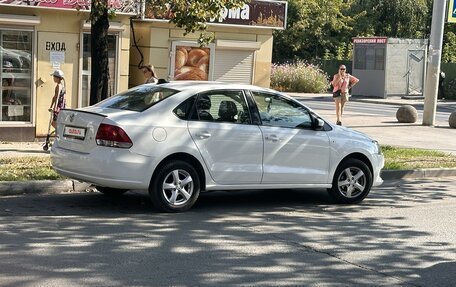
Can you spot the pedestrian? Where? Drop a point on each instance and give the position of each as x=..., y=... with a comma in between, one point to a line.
x=342, y=83
x=441, y=91
x=58, y=100
x=149, y=74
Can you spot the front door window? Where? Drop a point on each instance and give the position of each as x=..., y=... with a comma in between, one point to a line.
x=87, y=62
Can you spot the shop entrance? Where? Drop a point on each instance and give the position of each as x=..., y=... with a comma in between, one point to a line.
x=55, y=51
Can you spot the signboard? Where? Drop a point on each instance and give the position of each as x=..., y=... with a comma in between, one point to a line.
x=452, y=12
x=370, y=40
x=257, y=13
x=120, y=6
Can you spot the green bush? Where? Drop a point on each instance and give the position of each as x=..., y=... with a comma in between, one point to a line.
x=299, y=77
x=450, y=90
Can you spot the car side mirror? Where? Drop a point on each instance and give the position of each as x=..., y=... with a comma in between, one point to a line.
x=318, y=124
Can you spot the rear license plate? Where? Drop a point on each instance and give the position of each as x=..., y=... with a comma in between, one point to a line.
x=74, y=132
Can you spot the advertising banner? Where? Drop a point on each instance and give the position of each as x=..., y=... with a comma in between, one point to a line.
x=271, y=14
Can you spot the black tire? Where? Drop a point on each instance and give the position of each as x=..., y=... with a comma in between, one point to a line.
x=111, y=191
x=352, y=182
x=175, y=187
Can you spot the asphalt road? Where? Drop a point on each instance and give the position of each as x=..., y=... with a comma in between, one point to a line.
x=403, y=234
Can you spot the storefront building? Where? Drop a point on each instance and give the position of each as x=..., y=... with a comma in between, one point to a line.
x=37, y=37
x=241, y=52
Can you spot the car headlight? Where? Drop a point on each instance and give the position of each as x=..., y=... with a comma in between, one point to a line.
x=379, y=149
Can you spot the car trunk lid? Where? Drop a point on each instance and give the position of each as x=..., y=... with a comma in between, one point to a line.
x=77, y=129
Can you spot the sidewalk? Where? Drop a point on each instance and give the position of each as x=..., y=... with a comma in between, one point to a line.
x=386, y=130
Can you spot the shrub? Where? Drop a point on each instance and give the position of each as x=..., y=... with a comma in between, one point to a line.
x=299, y=77
x=450, y=90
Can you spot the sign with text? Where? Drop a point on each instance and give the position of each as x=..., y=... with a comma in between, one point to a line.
x=371, y=40
x=120, y=6
x=271, y=14
x=452, y=12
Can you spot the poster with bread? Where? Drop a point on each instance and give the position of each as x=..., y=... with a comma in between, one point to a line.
x=191, y=63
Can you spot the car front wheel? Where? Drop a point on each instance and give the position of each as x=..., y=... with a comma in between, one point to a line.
x=175, y=187
x=352, y=182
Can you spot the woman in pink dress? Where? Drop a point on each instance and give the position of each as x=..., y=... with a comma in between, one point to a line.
x=342, y=82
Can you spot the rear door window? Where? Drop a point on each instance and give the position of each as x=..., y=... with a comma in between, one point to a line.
x=227, y=106
x=138, y=98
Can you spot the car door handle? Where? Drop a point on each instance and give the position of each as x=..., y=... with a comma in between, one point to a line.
x=203, y=135
x=272, y=138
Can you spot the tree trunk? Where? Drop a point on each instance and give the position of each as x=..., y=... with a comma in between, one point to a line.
x=99, y=51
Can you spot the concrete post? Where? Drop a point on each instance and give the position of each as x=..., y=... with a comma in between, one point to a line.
x=433, y=70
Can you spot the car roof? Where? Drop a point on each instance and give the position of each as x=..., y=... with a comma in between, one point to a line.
x=200, y=86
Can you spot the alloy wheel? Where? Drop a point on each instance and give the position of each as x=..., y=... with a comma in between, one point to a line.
x=351, y=182
x=178, y=187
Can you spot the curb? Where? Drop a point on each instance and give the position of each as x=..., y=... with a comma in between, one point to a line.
x=42, y=187
x=8, y=188
x=418, y=173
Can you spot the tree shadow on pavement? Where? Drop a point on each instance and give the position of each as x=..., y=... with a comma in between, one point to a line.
x=282, y=237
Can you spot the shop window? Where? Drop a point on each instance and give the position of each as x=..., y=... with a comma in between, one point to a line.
x=16, y=72
x=369, y=58
x=86, y=67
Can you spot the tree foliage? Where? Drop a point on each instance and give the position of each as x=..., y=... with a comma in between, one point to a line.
x=192, y=16
x=315, y=29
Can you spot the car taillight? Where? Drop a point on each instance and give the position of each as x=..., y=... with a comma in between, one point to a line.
x=112, y=136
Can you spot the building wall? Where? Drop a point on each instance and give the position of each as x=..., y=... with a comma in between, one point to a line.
x=397, y=64
x=154, y=40
x=61, y=26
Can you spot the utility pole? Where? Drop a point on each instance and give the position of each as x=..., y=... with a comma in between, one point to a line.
x=435, y=55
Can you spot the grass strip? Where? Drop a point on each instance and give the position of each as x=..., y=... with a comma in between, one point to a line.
x=412, y=158
x=27, y=168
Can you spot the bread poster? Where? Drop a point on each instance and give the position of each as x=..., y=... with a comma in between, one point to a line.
x=191, y=63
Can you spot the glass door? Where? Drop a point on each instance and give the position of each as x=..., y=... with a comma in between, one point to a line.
x=16, y=72
x=87, y=62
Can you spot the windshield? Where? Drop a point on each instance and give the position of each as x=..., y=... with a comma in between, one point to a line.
x=138, y=98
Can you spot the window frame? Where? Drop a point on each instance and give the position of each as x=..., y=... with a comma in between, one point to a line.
x=30, y=88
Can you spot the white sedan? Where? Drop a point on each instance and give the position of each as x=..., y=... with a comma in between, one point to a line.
x=181, y=138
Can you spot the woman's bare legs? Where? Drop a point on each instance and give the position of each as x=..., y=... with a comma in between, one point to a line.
x=340, y=103
x=343, y=100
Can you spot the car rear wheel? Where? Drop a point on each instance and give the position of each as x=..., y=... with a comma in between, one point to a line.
x=175, y=187
x=111, y=191
x=352, y=182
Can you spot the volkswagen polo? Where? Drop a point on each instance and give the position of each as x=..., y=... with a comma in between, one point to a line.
x=181, y=138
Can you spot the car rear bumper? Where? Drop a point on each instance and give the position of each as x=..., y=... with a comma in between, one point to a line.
x=110, y=167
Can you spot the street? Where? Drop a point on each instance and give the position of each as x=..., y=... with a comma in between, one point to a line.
x=401, y=235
